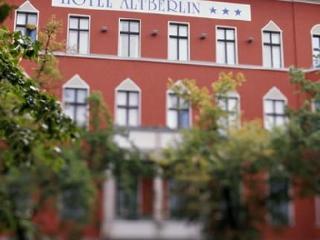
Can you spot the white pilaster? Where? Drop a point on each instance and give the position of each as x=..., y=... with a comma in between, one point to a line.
x=109, y=195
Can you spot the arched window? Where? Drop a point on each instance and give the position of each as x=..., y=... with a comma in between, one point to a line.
x=274, y=104
x=26, y=20
x=127, y=104
x=75, y=104
x=272, y=46
x=315, y=34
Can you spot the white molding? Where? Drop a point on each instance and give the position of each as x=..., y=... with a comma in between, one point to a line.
x=166, y=61
x=275, y=94
x=272, y=26
x=27, y=7
x=315, y=29
x=76, y=82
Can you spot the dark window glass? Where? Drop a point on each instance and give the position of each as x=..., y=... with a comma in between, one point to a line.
x=76, y=105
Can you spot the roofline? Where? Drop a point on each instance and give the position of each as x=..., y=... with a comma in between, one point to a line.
x=303, y=1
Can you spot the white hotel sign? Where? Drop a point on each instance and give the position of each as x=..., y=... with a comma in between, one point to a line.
x=191, y=8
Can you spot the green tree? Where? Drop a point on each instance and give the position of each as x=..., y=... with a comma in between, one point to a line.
x=221, y=174
x=33, y=129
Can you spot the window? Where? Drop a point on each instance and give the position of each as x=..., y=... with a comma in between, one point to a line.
x=27, y=20
x=316, y=50
x=127, y=197
x=316, y=104
x=274, y=109
x=274, y=112
x=75, y=104
x=316, y=45
x=272, y=46
x=127, y=104
x=178, y=42
x=279, y=201
x=129, y=38
x=78, y=38
x=178, y=112
x=272, y=49
x=226, y=45
x=230, y=105
x=128, y=108
x=75, y=100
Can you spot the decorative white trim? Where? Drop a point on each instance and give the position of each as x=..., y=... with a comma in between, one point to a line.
x=275, y=94
x=272, y=26
x=236, y=43
x=89, y=34
x=27, y=7
x=159, y=60
x=128, y=85
x=76, y=82
x=315, y=29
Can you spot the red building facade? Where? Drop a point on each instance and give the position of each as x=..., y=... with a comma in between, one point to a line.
x=129, y=49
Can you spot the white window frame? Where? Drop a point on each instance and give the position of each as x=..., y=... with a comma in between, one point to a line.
x=315, y=30
x=273, y=94
x=119, y=38
x=233, y=94
x=76, y=82
x=235, y=43
x=27, y=7
x=168, y=40
x=168, y=92
x=70, y=51
x=128, y=85
x=272, y=27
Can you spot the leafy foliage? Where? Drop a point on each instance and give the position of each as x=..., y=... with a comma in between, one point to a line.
x=32, y=130
x=221, y=175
